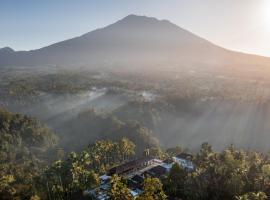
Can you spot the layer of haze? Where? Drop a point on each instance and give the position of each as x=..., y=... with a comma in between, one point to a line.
x=242, y=25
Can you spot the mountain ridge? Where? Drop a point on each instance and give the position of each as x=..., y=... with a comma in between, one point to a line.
x=133, y=40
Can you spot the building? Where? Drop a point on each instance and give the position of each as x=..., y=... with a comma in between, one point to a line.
x=185, y=160
x=136, y=171
x=131, y=166
x=168, y=163
x=156, y=172
x=99, y=193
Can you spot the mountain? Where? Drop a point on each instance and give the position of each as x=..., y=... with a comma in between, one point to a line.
x=6, y=50
x=6, y=56
x=133, y=41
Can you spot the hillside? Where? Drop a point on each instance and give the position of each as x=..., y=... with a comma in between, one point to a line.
x=135, y=41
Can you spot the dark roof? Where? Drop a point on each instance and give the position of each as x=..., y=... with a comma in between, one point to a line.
x=168, y=161
x=138, y=179
x=185, y=156
x=132, y=184
x=157, y=171
x=129, y=165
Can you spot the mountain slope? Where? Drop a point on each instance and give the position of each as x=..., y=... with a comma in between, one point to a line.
x=133, y=41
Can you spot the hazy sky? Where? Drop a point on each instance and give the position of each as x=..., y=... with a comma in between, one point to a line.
x=242, y=25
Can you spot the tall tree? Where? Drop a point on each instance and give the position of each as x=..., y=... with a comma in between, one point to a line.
x=126, y=148
x=119, y=190
x=175, y=182
x=152, y=190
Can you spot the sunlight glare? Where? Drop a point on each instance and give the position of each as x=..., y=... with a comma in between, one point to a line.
x=266, y=13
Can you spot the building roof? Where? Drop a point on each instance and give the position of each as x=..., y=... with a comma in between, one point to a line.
x=138, y=179
x=157, y=171
x=134, y=193
x=104, y=177
x=129, y=165
x=185, y=156
x=168, y=161
x=133, y=185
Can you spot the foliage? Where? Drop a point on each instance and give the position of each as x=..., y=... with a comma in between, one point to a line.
x=252, y=196
x=68, y=179
x=174, y=151
x=106, y=153
x=152, y=190
x=91, y=126
x=118, y=189
x=174, y=184
x=24, y=145
x=223, y=175
x=21, y=135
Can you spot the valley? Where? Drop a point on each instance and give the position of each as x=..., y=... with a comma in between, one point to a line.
x=140, y=109
x=189, y=106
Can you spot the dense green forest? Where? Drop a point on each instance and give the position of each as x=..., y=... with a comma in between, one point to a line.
x=141, y=109
x=25, y=146
x=90, y=126
x=175, y=108
x=33, y=166
x=96, y=121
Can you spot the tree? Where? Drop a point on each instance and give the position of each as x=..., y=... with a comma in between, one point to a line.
x=206, y=153
x=106, y=153
x=252, y=196
x=25, y=147
x=152, y=190
x=118, y=190
x=6, y=189
x=175, y=182
x=126, y=148
x=64, y=179
x=174, y=151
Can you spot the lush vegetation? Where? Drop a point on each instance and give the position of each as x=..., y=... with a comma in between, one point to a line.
x=229, y=174
x=90, y=126
x=152, y=188
x=29, y=172
x=182, y=99
x=175, y=87
x=25, y=146
x=69, y=178
x=37, y=164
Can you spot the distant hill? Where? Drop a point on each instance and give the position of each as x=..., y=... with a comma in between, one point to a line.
x=135, y=41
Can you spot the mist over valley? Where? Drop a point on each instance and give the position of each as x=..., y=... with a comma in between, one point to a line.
x=178, y=108
x=140, y=109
